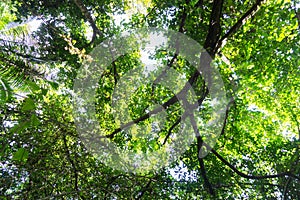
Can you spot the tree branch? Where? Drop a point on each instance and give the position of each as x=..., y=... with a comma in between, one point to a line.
x=171, y=129
x=170, y=102
x=144, y=190
x=226, y=116
x=285, y=189
x=201, y=162
x=72, y=164
x=211, y=40
x=171, y=62
x=297, y=12
x=298, y=18
x=250, y=13
x=294, y=117
x=256, y=177
x=214, y=30
x=89, y=18
x=199, y=4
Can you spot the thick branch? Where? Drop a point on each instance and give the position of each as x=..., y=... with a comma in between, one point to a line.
x=285, y=189
x=211, y=40
x=26, y=56
x=167, y=104
x=214, y=30
x=170, y=102
x=298, y=18
x=144, y=189
x=294, y=117
x=226, y=116
x=203, y=174
x=199, y=4
x=201, y=162
x=171, y=129
x=250, y=13
x=205, y=59
x=257, y=177
x=72, y=164
x=171, y=62
x=89, y=18
x=182, y=22
x=297, y=12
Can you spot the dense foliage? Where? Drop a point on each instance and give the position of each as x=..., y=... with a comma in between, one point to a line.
x=253, y=43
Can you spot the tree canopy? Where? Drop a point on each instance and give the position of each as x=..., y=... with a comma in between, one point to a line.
x=253, y=44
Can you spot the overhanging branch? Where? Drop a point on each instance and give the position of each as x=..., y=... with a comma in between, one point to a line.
x=214, y=29
x=200, y=160
x=250, y=13
x=297, y=12
x=89, y=18
x=256, y=177
x=142, y=192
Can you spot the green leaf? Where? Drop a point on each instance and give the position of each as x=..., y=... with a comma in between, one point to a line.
x=21, y=155
x=34, y=120
x=18, y=128
x=5, y=91
x=53, y=85
x=3, y=148
x=28, y=105
x=33, y=86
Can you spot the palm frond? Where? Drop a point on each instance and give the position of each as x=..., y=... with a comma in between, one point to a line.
x=5, y=91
